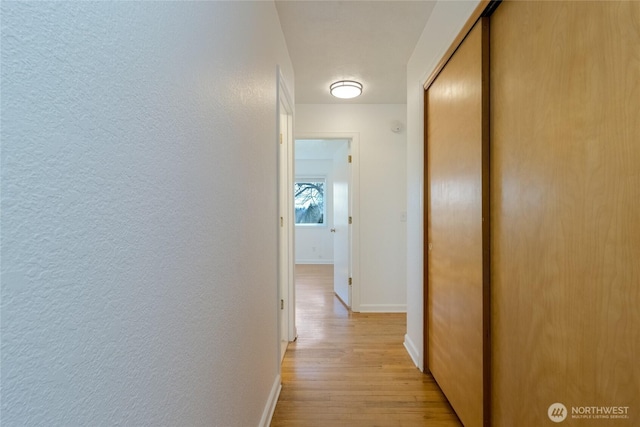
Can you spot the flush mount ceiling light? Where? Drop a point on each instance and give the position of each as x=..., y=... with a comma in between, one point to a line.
x=346, y=89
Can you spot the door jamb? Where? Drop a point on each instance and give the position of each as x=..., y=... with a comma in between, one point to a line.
x=284, y=100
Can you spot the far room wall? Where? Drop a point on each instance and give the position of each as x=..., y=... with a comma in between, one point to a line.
x=314, y=244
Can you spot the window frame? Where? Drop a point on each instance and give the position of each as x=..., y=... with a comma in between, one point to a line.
x=311, y=179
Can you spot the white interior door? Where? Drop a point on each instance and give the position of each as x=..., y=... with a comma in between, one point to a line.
x=341, y=229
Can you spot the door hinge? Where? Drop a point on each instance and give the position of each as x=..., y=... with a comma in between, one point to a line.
x=280, y=138
x=350, y=220
x=349, y=158
x=281, y=222
x=281, y=304
x=350, y=281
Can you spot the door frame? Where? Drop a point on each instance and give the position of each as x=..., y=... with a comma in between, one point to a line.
x=354, y=203
x=284, y=105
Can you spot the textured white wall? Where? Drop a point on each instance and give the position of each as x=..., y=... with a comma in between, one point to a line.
x=314, y=245
x=139, y=212
x=382, y=193
x=443, y=26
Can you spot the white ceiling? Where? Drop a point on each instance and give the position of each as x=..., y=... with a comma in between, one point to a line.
x=367, y=41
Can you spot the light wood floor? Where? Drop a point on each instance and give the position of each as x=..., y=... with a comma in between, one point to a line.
x=351, y=369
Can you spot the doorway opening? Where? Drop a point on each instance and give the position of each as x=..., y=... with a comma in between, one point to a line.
x=326, y=230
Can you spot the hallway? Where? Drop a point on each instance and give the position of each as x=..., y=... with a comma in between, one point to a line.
x=351, y=368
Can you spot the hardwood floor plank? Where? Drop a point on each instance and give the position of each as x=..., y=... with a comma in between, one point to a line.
x=351, y=368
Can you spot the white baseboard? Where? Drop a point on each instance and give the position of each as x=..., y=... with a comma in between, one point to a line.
x=383, y=308
x=314, y=261
x=270, y=407
x=413, y=351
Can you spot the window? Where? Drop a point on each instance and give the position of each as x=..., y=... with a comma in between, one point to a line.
x=309, y=201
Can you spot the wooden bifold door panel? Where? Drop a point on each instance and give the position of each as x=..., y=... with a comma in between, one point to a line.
x=457, y=190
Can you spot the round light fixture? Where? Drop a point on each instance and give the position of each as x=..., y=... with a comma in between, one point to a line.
x=346, y=89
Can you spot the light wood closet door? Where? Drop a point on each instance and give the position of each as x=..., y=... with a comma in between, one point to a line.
x=456, y=279
x=565, y=136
